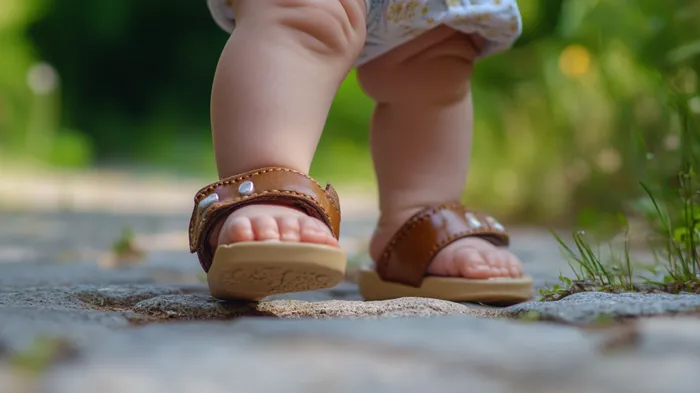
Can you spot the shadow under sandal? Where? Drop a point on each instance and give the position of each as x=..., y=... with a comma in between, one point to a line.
x=402, y=269
x=255, y=270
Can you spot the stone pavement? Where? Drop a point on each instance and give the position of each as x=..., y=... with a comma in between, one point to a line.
x=74, y=321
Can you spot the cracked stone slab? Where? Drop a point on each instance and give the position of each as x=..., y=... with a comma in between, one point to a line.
x=81, y=297
x=382, y=355
x=311, y=349
x=588, y=307
x=193, y=307
x=84, y=309
x=128, y=296
x=203, y=307
x=443, y=354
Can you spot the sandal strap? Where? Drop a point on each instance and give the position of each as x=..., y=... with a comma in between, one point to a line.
x=409, y=253
x=275, y=186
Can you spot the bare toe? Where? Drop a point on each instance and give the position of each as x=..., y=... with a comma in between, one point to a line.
x=289, y=228
x=313, y=231
x=474, y=264
x=271, y=222
x=495, y=263
x=265, y=228
x=328, y=237
x=236, y=229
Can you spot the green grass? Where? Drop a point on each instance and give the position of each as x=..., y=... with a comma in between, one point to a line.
x=591, y=271
x=680, y=247
x=676, y=250
x=675, y=243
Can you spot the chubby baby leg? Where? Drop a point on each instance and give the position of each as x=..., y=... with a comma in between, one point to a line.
x=273, y=88
x=421, y=138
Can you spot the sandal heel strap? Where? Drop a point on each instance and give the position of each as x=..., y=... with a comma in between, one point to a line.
x=410, y=251
x=274, y=186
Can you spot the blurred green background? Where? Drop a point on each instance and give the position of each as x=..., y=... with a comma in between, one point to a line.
x=567, y=122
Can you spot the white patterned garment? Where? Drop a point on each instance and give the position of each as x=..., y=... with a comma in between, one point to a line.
x=391, y=23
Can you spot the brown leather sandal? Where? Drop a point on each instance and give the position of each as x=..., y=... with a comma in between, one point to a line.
x=401, y=270
x=255, y=270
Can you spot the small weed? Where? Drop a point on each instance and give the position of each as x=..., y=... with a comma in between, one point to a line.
x=676, y=246
x=588, y=266
x=591, y=272
x=125, y=251
x=557, y=291
x=680, y=248
x=43, y=352
x=125, y=245
x=530, y=316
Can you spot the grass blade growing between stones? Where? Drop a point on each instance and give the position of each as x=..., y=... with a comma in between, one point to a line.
x=681, y=243
x=600, y=275
x=583, y=264
x=590, y=272
x=676, y=221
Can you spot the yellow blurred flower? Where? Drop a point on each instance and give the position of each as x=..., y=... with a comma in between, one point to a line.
x=574, y=61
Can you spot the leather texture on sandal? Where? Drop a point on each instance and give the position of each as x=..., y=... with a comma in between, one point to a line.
x=410, y=251
x=275, y=186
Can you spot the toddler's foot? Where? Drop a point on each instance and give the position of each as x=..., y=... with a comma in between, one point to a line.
x=469, y=257
x=271, y=223
x=255, y=236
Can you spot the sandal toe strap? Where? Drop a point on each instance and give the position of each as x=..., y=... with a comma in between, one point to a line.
x=275, y=186
x=409, y=253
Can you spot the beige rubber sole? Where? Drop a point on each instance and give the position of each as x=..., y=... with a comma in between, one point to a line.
x=255, y=270
x=497, y=290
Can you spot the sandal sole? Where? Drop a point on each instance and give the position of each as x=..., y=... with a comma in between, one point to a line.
x=255, y=270
x=495, y=290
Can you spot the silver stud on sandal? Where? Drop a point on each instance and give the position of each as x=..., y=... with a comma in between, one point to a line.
x=246, y=188
x=473, y=221
x=495, y=224
x=205, y=203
